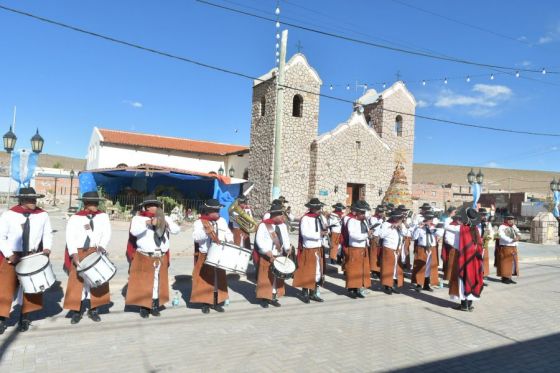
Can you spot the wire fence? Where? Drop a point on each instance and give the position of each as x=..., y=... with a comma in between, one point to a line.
x=124, y=207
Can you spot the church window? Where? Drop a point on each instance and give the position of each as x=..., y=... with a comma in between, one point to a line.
x=263, y=106
x=297, y=109
x=398, y=125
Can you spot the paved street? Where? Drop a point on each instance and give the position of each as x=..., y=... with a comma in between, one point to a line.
x=514, y=328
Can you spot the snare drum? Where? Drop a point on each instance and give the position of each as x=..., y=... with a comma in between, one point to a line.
x=35, y=273
x=229, y=257
x=283, y=268
x=96, y=269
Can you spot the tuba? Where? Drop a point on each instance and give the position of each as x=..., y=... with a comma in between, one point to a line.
x=244, y=220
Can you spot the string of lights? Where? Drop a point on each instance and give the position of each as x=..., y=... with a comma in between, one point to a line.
x=247, y=76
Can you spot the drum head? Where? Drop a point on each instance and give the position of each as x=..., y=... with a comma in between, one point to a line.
x=284, y=265
x=32, y=263
x=88, y=261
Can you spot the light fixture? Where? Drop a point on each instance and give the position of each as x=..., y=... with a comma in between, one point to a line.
x=231, y=171
x=517, y=74
x=423, y=82
x=10, y=139
x=491, y=76
x=384, y=85
x=479, y=176
x=347, y=87
x=331, y=87
x=221, y=171
x=471, y=176
x=365, y=86
x=445, y=81
x=543, y=71
x=468, y=79
x=277, y=24
x=277, y=12
x=37, y=143
x=554, y=185
x=277, y=36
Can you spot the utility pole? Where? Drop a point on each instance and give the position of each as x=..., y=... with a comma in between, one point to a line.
x=278, y=117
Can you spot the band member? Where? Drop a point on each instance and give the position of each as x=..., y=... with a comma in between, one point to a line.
x=508, y=263
x=487, y=233
x=375, y=222
x=335, y=227
x=446, y=247
x=88, y=231
x=425, y=269
x=451, y=245
x=391, y=234
x=407, y=228
x=425, y=209
x=310, y=251
x=240, y=237
x=209, y=284
x=148, y=252
x=271, y=240
x=356, y=235
x=465, y=281
x=24, y=229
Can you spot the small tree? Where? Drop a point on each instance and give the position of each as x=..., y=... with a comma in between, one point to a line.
x=57, y=165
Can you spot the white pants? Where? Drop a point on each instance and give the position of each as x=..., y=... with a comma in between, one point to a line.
x=317, y=269
x=428, y=269
x=155, y=291
x=395, y=267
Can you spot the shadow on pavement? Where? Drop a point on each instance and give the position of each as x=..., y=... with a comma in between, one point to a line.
x=245, y=288
x=183, y=284
x=539, y=354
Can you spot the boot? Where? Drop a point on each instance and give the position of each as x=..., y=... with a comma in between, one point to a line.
x=264, y=303
x=3, y=325
x=470, y=306
x=155, y=307
x=388, y=290
x=418, y=288
x=205, y=308
x=217, y=307
x=427, y=285
x=315, y=297
x=352, y=293
x=305, y=295
x=144, y=312
x=462, y=307
x=484, y=283
x=396, y=287
x=24, y=322
x=274, y=301
x=359, y=293
x=77, y=315
x=94, y=315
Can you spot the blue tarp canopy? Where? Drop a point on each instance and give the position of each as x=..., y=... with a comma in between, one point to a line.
x=149, y=180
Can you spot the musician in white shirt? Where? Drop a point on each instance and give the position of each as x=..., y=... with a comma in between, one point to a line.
x=272, y=240
x=148, y=282
x=312, y=229
x=209, y=283
x=487, y=234
x=87, y=232
x=508, y=262
x=240, y=237
x=392, y=238
x=335, y=231
x=425, y=269
x=25, y=229
x=375, y=222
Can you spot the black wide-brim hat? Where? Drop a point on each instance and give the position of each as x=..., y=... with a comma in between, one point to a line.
x=338, y=206
x=470, y=216
x=426, y=205
x=429, y=217
x=276, y=209
x=91, y=197
x=396, y=215
x=28, y=193
x=213, y=204
x=509, y=217
x=361, y=206
x=151, y=199
x=314, y=203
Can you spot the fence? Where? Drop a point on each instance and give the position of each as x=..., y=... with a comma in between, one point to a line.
x=123, y=207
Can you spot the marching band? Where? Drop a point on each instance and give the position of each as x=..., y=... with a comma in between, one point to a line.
x=366, y=246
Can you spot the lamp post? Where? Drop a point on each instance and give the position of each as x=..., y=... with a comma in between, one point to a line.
x=555, y=189
x=231, y=171
x=475, y=181
x=54, y=199
x=71, y=184
x=221, y=171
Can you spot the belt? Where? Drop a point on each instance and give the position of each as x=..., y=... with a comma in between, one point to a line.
x=156, y=254
x=425, y=247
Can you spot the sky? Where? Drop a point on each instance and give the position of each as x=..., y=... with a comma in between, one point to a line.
x=64, y=83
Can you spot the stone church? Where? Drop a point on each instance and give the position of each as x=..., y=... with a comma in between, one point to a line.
x=353, y=161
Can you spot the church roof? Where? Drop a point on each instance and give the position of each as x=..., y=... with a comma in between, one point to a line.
x=356, y=119
x=169, y=143
x=297, y=58
x=372, y=96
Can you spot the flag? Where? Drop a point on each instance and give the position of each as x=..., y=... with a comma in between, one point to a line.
x=23, y=167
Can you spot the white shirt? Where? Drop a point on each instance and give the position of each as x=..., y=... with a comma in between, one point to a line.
x=234, y=223
x=356, y=238
x=335, y=223
x=145, y=236
x=76, y=233
x=310, y=232
x=266, y=216
x=506, y=240
x=427, y=239
x=264, y=241
x=392, y=238
x=376, y=222
x=204, y=241
x=11, y=232
x=451, y=235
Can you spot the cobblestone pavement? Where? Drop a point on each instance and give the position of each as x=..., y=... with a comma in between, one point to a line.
x=514, y=328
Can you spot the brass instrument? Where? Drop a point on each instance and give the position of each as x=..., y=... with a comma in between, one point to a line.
x=513, y=233
x=244, y=220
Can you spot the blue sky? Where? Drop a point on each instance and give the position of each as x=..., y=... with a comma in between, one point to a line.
x=65, y=83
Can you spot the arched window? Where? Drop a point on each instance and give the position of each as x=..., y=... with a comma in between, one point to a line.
x=398, y=125
x=263, y=106
x=122, y=165
x=297, y=109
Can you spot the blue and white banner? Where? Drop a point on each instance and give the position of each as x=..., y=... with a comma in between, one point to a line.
x=556, y=211
x=475, y=193
x=23, y=166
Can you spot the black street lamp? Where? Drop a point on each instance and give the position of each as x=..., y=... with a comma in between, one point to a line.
x=479, y=176
x=221, y=170
x=471, y=177
x=231, y=171
x=37, y=143
x=71, y=185
x=10, y=139
x=55, y=184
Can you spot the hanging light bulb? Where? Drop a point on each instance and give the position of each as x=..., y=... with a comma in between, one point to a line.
x=543, y=71
x=277, y=35
x=423, y=82
x=277, y=54
x=384, y=85
x=277, y=24
x=278, y=60
x=347, y=87
x=331, y=87
x=468, y=79
x=277, y=12
x=445, y=81
x=277, y=46
x=517, y=74
x=365, y=85
x=491, y=76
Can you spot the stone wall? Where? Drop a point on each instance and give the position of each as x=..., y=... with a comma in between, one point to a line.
x=351, y=153
x=544, y=229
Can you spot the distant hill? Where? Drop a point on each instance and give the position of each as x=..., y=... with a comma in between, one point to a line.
x=47, y=160
x=494, y=178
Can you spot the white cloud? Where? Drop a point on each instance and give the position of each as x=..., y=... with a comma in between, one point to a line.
x=491, y=165
x=483, y=96
x=553, y=35
x=134, y=104
x=422, y=103
x=525, y=63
